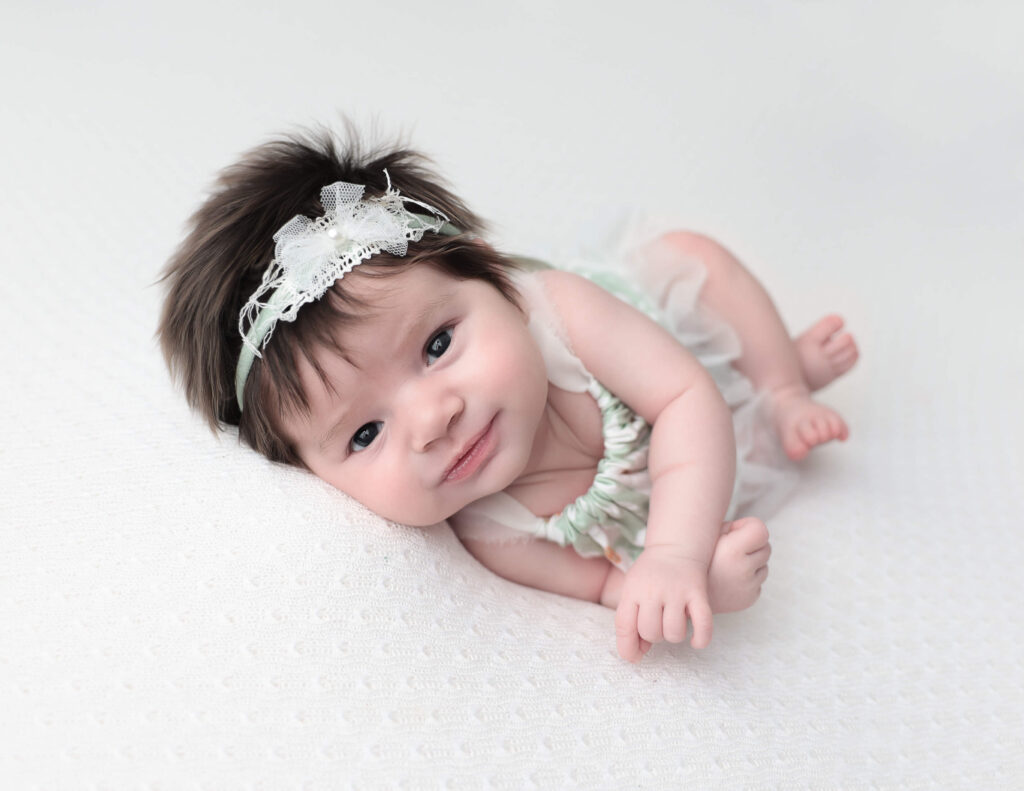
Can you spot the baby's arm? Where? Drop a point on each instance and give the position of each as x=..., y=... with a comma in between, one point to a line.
x=544, y=565
x=692, y=457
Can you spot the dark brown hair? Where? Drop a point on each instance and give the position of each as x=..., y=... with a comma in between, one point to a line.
x=229, y=245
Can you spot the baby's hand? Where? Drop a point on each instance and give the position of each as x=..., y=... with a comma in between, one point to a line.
x=660, y=590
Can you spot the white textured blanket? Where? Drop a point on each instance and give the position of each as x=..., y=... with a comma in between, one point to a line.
x=176, y=613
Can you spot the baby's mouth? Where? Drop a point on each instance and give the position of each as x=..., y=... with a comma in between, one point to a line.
x=471, y=456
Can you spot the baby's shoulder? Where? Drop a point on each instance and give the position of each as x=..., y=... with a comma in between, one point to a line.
x=546, y=325
x=579, y=307
x=556, y=292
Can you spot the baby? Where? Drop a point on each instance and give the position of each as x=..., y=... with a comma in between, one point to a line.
x=591, y=430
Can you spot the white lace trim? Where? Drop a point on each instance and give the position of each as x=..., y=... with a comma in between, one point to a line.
x=311, y=255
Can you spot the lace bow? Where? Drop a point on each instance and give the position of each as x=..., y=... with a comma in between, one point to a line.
x=311, y=255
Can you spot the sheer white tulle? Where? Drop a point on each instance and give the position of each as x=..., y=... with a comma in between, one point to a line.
x=311, y=255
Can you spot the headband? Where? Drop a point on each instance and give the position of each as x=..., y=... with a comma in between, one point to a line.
x=311, y=255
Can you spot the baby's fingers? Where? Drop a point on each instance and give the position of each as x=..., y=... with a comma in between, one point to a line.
x=700, y=615
x=649, y=621
x=627, y=638
x=675, y=623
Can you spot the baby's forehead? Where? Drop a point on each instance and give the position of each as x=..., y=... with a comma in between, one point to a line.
x=377, y=298
x=381, y=311
x=381, y=289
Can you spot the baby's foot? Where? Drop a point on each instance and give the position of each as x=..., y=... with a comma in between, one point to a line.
x=824, y=354
x=802, y=423
x=739, y=565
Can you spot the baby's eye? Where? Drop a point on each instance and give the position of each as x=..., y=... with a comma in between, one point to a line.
x=439, y=344
x=364, y=436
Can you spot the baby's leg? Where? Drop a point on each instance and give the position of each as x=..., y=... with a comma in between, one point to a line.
x=770, y=358
x=738, y=568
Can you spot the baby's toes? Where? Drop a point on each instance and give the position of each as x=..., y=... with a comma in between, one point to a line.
x=794, y=446
x=758, y=559
x=826, y=328
x=837, y=427
x=842, y=353
x=749, y=534
x=808, y=432
x=839, y=343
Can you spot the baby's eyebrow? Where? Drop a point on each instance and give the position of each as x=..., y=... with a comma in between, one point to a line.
x=325, y=440
x=424, y=313
x=413, y=328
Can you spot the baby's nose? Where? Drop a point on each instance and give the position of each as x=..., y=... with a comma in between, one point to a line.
x=434, y=420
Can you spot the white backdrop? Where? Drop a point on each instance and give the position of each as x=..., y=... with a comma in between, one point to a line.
x=179, y=614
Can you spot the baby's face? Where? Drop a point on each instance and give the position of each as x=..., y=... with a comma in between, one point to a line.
x=441, y=406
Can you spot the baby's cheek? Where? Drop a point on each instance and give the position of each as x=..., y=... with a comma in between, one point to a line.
x=528, y=373
x=395, y=503
x=514, y=354
x=499, y=357
x=418, y=509
x=399, y=494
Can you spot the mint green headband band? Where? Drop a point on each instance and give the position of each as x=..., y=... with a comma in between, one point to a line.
x=311, y=255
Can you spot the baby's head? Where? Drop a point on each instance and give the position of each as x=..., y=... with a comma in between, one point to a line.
x=412, y=383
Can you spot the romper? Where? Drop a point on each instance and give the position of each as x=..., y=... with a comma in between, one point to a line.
x=610, y=518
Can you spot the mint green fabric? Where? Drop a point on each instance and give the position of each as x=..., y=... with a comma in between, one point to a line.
x=610, y=501
x=613, y=503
